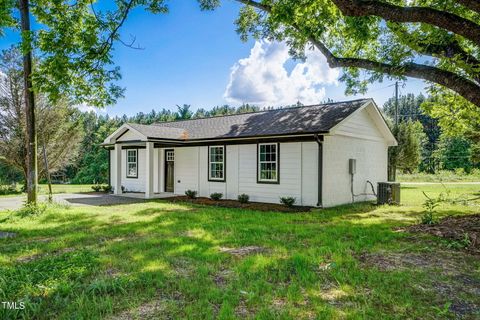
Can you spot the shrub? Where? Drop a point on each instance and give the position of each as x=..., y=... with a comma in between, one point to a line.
x=192, y=194
x=243, y=198
x=106, y=188
x=288, y=201
x=216, y=196
x=8, y=189
x=30, y=209
x=430, y=205
x=96, y=187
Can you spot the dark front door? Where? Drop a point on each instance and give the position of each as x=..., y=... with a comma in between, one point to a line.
x=169, y=166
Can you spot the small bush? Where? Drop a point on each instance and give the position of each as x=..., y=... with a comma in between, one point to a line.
x=430, y=205
x=30, y=209
x=96, y=187
x=8, y=189
x=192, y=194
x=107, y=188
x=216, y=196
x=243, y=198
x=288, y=201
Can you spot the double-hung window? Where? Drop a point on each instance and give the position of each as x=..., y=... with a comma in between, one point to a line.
x=132, y=163
x=216, y=163
x=268, y=165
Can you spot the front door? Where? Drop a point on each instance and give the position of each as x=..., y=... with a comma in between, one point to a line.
x=169, y=165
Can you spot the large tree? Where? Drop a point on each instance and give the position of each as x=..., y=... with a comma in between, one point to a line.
x=73, y=43
x=57, y=124
x=437, y=41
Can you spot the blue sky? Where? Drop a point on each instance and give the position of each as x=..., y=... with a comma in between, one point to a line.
x=194, y=57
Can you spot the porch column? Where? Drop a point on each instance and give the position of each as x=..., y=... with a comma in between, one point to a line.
x=149, y=170
x=117, y=165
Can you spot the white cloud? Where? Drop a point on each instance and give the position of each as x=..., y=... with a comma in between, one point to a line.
x=263, y=79
x=83, y=107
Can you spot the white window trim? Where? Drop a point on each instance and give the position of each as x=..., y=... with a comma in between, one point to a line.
x=210, y=178
x=277, y=162
x=130, y=162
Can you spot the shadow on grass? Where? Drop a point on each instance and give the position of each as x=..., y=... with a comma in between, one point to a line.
x=118, y=264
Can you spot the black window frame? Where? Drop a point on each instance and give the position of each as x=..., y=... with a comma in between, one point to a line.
x=277, y=180
x=127, y=163
x=209, y=162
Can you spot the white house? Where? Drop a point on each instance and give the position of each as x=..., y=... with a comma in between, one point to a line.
x=303, y=152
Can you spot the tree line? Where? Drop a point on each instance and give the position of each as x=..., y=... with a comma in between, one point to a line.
x=425, y=143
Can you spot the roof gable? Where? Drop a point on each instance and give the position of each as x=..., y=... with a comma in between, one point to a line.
x=367, y=123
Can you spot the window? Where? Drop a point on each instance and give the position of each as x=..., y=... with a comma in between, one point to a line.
x=170, y=156
x=132, y=168
x=268, y=162
x=216, y=163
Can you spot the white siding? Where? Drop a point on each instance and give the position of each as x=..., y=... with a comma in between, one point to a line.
x=371, y=159
x=298, y=176
x=360, y=125
x=186, y=169
x=232, y=179
x=309, y=173
x=290, y=174
x=134, y=184
x=130, y=135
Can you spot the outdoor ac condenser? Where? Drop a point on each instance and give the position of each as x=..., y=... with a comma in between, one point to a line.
x=388, y=193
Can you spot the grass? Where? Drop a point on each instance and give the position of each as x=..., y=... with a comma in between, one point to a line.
x=441, y=176
x=59, y=188
x=162, y=260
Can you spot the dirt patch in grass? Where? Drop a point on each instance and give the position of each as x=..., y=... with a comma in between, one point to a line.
x=154, y=309
x=222, y=277
x=243, y=251
x=448, y=276
x=464, y=231
x=259, y=206
x=42, y=255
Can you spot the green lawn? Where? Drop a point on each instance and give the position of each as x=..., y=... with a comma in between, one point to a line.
x=58, y=188
x=169, y=261
x=441, y=176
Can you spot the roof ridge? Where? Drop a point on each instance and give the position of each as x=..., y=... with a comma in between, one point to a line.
x=260, y=111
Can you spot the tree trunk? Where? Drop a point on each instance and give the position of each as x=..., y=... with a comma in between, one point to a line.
x=47, y=173
x=32, y=175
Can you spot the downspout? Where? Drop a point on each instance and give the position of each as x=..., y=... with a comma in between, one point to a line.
x=320, y=170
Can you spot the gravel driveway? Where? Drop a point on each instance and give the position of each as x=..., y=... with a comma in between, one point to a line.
x=74, y=199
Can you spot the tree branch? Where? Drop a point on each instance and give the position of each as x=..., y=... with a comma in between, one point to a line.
x=389, y=12
x=464, y=87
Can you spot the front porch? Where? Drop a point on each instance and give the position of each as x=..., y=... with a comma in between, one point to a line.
x=142, y=170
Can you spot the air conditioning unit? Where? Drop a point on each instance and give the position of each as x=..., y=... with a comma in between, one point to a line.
x=388, y=193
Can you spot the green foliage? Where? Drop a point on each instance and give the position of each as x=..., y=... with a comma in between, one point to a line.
x=288, y=201
x=107, y=188
x=6, y=189
x=32, y=209
x=407, y=155
x=430, y=206
x=216, y=196
x=361, y=39
x=243, y=198
x=57, y=123
x=192, y=194
x=454, y=153
x=96, y=187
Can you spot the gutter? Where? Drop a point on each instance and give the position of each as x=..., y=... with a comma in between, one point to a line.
x=320, y=170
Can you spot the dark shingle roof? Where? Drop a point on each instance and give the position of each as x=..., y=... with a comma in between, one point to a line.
x=309, y=119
